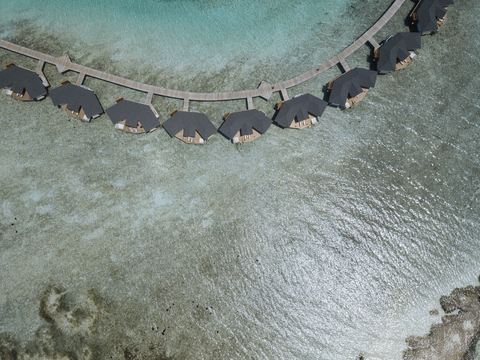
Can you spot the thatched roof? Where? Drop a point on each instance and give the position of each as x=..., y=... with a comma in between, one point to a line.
x=20, y=80
x=133, y=112
x=298, y=108
x=189, y=122
x=428, y=11
x=245, y=121
x=350, y=85
x=77, y=97
x=397, y=48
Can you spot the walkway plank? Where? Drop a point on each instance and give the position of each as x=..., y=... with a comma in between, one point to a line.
x=249, y=103
x=40, y=66
x=374, y=43
x=185, y=104
x=148, y=101
x=80, y=79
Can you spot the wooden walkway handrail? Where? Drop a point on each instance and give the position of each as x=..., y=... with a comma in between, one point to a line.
x=265, y=90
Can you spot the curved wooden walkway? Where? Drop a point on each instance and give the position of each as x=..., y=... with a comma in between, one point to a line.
x=265, y=89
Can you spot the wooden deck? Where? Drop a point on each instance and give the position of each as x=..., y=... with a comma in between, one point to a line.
x=265, y=90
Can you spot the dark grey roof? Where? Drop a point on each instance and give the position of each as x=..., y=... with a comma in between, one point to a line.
x=245, y=121
x=397, y=47
x=19, y=80
x=428, y=11
x=299, y=107
x=189, y=122
x=350, y=85
x=134, y=112
x=76, y=97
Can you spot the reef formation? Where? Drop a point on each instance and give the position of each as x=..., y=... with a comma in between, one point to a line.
x=455, y=338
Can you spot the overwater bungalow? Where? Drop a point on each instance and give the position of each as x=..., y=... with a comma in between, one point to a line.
x=23, y=84
x=429, y=15
x=190, y=127
x=300, y=112
x=245, y=126
x=77, y=100
x=397, y=51
x=133, y=117
x=351, y=87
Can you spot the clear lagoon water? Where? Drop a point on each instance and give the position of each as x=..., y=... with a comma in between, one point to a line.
x=325, y=243
x=195, y=45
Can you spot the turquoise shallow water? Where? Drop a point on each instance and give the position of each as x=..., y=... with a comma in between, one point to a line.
x=186, y=43
x=325, y=243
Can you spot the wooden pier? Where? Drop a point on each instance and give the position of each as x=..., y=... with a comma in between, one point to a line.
x=265, y=90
